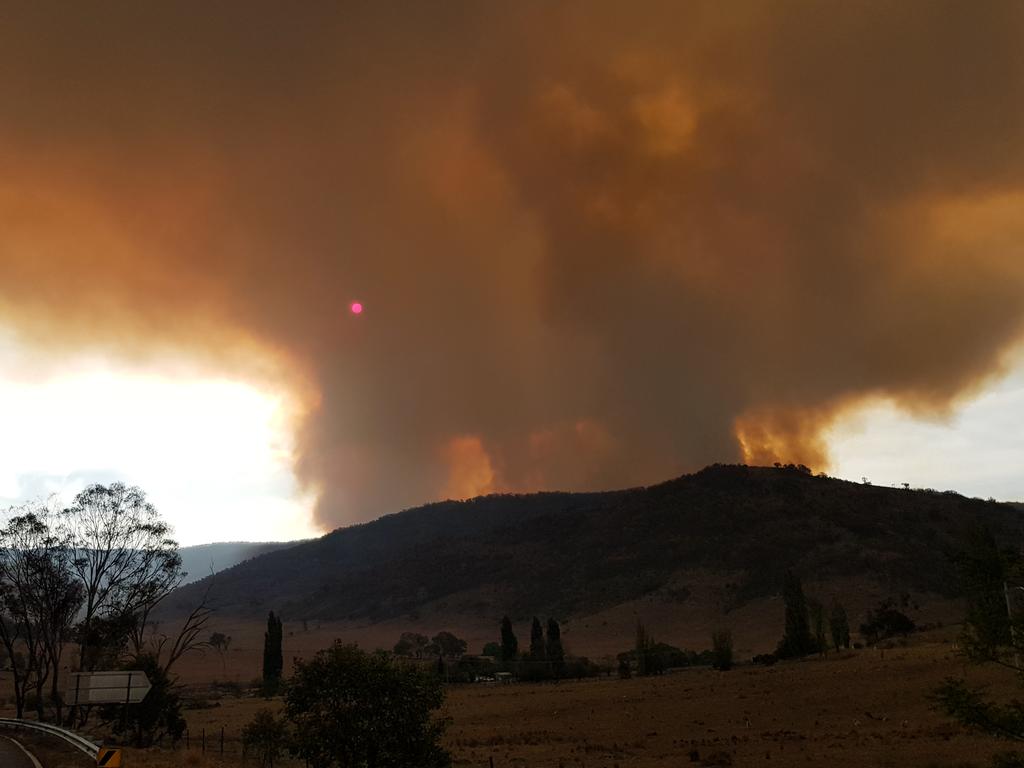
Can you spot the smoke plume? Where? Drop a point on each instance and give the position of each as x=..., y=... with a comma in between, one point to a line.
x=597, y=243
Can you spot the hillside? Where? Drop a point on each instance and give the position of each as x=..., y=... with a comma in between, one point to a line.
x=578, y=554
x=201, y=560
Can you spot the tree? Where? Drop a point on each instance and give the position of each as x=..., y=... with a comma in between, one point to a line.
x=625, y=672
x=553, y=648
x=819, y=626
x=643, y=643
x=124, y=556
x=157, y=716
x=411, y=644
x=992, y=635
x=797, y=641
x=537, y=641
x=265, y=736
x=648, y=660
x=448, y=645
x=509, y=643
x=273, y=658
x=886, y=621
x=984, y=572
x=220, y=643
x=721, y=649
x=187, y=638
x=40, y=597
x=839, y=624
x=350, y=708
x=492, y=649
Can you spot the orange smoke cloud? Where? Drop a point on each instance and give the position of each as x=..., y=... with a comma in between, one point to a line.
x=792, y=437
x=469, y=468
x=597, y=243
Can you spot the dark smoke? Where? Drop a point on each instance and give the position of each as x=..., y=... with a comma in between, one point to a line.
x=598, y=243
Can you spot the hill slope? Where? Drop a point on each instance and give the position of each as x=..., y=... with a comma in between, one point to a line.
x=577, y=554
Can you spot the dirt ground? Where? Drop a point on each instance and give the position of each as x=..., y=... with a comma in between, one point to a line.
x=857, y=709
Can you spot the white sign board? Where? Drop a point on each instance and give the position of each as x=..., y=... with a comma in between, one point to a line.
x=129, y=687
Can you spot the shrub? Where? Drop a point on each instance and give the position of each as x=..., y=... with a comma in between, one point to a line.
x=265, y=737
x=348, y=707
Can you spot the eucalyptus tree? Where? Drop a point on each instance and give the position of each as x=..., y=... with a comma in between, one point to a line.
x=93, y=573
x=41, y=596
x=127, y=561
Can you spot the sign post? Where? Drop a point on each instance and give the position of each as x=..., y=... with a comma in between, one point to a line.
x=127, y=687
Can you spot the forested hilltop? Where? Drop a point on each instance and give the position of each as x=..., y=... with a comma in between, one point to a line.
x=575, y=554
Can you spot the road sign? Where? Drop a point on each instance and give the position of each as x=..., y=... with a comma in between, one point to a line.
x=128, y=687
x=108, y=758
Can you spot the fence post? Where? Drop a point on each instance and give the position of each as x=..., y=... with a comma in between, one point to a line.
x=188, y=744
x=492, y=761
x=222, y=741
x=204, y=741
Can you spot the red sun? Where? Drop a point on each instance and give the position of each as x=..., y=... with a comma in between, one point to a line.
x=356, y=308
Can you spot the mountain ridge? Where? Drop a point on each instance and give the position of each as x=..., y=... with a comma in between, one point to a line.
x=577, y=554
x=200, y=560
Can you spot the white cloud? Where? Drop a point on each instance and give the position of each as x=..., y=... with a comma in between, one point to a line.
x=978, y=452
x=214, y=455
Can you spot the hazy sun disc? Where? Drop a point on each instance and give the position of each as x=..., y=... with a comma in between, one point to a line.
x=356, y=307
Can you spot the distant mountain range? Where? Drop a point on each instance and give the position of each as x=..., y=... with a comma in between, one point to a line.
x=203, y=559
x=580, y=554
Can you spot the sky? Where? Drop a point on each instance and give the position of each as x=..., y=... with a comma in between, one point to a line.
x=594, y=244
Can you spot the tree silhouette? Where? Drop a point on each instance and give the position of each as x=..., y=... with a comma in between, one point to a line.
x=554, y=650
x=536, y=641
x=721, y=649
x=839, y=624
x=273, y=658
x=993, y=634
x=350, y=708
x=509, y=643
x=797, y=640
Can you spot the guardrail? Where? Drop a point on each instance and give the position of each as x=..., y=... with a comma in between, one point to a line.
x=82, y=744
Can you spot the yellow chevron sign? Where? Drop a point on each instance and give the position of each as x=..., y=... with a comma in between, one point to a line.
x=108, y=757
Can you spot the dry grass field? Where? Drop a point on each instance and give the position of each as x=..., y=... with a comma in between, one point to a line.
x=864, y=708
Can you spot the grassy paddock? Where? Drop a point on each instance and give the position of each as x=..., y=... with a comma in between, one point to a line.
x=866, y=708
x=850, y=710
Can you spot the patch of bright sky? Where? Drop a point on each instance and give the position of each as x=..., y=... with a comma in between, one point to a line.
x=979, y=451
x=213, y=455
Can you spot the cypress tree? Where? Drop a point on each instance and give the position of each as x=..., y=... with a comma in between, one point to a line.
x=643, y=644
x=839, y=623
x=555, y=652
x=509, y=643
x=273, y=656
x=536, y=641
x=797, y=640
x=819, y=626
